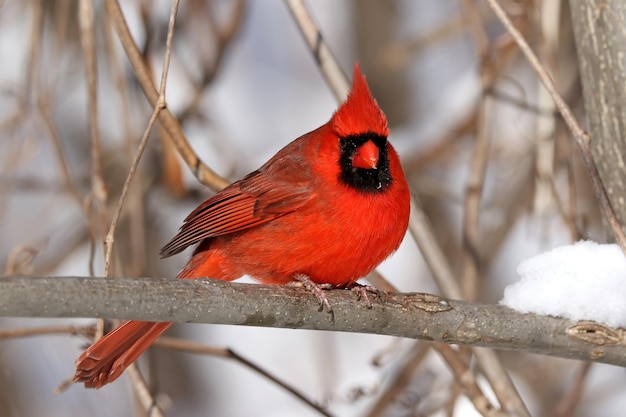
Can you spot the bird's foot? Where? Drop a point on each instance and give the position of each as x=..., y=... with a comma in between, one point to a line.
x=317, y=290
x=362, y=290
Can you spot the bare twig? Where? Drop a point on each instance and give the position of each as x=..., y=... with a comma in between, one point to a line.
x=478, y=164
x=546, y=126
x=88, y=331
x=160, y=105
x=468, y=382
x=442, y=146
x=422, y=232
x=398, y=56
x=324, y=57
x=521, y=103
x=86, y=22
x=400, y=381
x=514, y=205
x=55, y=138
x=142, y=390
x=98, y=195
x=20, y=259
x=33, y=64
x=223, y=37
x=566, y=406
x=572, y=194
x=135, y=207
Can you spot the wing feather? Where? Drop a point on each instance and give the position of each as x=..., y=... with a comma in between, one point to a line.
x=258, y=198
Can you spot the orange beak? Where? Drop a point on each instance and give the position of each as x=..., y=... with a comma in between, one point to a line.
x=366, y=156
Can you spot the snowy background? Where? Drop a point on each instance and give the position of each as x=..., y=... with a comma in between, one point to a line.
x=425, y=72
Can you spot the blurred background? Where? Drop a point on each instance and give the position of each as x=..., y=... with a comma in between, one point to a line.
x=464, y=108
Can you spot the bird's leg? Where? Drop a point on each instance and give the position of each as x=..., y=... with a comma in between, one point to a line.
x=362, y=290
x=317, y=290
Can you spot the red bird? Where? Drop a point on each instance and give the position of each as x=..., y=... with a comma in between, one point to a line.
x=325, y=211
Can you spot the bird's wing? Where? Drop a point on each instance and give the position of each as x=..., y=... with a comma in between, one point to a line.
x=258, y=198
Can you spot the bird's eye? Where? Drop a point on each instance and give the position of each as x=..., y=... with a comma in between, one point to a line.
x=342, y=142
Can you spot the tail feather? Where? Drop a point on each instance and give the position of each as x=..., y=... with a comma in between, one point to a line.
x=107, y=359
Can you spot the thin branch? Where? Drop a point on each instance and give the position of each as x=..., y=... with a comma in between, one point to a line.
x=401, y=380
x=521, y=103
x=324, y=57
x=223, y=39
x=19, y=260
x=87, y=36
x=135, y=205
x=98, y=193
x=61, y=160
x=398, y=55
x=514, y=204
x=142, y=390
x=33, y=64
x=467, y=382
x=568, y=403
x=417, y=316
x=471, y=249
x=46, y=331
x=546, y=126
x=442, y=147
x=422, y=232
x=500, y=382
x=160, y=105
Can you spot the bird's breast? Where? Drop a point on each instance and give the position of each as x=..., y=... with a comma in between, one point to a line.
x=335, y=239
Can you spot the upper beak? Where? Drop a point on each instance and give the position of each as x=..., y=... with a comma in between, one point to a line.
x=366, y=156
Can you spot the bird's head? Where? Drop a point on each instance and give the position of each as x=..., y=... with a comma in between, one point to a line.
x=361, y=130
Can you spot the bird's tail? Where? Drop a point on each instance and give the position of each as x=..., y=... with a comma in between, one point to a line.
x=107, y=359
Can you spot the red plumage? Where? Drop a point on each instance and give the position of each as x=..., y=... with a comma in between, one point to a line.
x=331, y=205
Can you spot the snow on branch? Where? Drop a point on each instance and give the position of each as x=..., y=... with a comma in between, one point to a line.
x=415, y=315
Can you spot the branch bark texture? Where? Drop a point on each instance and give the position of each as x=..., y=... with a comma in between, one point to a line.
x=417, y=316
x=600, y=39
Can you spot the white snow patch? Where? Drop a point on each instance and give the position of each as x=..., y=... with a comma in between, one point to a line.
x=583, y=281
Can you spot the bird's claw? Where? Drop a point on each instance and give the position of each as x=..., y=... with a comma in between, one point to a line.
x=362, y=290
x=318, y=291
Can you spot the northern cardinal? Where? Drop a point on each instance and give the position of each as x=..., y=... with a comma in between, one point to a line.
x=325, y=210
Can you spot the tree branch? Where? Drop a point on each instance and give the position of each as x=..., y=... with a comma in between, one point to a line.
x=417, y=316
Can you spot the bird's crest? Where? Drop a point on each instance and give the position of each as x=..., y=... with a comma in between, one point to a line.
x=359, y=113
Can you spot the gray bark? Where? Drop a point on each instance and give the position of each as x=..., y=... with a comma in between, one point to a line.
x=600, y=33
x=417, y=316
